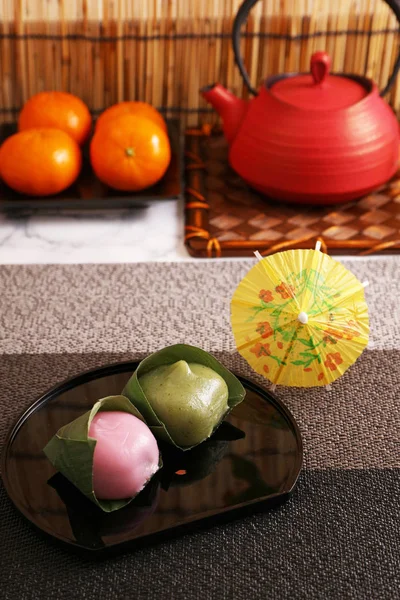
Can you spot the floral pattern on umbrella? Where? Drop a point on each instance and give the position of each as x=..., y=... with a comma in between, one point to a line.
x=277, y=295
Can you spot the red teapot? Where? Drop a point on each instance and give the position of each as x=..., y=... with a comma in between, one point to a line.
x=317, y=138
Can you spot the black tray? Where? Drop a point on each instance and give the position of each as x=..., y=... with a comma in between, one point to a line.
x=88, y=192
x=252, y=462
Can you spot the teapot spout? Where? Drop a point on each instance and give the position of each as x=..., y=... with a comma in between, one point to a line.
x=230, y=108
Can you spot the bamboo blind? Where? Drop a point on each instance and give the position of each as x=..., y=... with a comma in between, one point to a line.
x=163, y=51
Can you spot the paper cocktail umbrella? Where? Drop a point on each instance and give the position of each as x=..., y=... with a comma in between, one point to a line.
x=300, y=318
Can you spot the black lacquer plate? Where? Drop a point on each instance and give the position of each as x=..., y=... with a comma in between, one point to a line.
x=252, y=462
x=89, y=193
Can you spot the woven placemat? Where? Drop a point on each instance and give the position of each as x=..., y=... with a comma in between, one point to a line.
x=225, y=217
x=337, y=538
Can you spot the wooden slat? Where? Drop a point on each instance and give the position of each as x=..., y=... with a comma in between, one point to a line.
x=163, y=51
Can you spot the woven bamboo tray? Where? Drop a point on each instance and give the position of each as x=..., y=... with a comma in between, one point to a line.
x=224, y=217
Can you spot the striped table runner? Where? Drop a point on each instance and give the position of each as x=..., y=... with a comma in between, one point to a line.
x=339, y=535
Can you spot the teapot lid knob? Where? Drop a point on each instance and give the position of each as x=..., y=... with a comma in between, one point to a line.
x=319, y=90
x=320, y=65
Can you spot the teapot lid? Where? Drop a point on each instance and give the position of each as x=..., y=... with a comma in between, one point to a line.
x=319, y=90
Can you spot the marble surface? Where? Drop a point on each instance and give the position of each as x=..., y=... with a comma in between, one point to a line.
x=144, y=234
x=122, y=236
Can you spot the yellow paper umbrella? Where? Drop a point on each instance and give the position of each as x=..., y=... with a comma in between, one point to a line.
x=300, y=318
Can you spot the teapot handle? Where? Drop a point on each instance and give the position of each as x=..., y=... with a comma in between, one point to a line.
x=241, y=18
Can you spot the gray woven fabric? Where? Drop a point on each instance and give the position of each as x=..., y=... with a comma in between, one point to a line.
x=138, y=307
x=338, y=537
x=91, y=315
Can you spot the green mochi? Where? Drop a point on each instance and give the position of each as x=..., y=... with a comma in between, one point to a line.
x=189, y=398
x=168, y=357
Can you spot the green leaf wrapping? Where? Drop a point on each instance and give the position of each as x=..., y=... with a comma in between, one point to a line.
x=167, y=356
x=71, y=450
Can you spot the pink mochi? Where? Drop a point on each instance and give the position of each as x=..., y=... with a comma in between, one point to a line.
x=125, y=457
